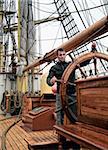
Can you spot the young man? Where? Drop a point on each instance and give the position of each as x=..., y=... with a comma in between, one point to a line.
x=55, y=73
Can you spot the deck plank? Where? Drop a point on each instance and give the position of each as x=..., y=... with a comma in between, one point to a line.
x=2, y=128
x=43, y=137
x=18, y=138
x=12, y=141
x=9, y=141
x=21, y=144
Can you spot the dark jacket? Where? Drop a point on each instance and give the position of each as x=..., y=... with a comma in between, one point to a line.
x=57, y=71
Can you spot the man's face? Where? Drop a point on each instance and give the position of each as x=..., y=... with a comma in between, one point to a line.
x=61, y=55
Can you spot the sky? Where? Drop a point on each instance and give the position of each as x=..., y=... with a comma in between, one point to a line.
x=51, y=35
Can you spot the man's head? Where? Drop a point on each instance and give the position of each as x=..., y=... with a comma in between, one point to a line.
x=61, y=54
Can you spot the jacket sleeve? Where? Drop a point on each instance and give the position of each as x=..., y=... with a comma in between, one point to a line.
x=49, y=77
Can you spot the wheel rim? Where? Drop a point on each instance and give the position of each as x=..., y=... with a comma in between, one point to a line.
x=66, y=103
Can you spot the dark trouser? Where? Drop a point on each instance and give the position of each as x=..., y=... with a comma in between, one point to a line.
x=59, y=111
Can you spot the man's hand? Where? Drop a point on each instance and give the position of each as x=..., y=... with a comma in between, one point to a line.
x=53, y=80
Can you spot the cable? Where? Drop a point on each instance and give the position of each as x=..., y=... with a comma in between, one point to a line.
x=43, y=3
x=56, y=37
x=81, y=10
x=78, y=13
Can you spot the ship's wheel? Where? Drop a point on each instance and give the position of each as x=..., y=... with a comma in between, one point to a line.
x=67, y=87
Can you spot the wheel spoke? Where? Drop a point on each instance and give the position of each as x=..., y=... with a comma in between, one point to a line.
x=95, y=65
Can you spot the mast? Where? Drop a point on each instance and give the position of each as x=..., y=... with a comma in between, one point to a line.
x=1, y=37
x=39, y=28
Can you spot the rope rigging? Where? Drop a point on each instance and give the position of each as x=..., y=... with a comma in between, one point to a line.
x=100, y=48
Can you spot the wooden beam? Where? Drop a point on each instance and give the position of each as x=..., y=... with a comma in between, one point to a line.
x=95, y=30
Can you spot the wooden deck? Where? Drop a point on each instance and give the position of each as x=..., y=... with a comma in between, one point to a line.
x=17, y=138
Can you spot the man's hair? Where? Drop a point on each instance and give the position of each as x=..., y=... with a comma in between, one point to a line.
x=60, y=50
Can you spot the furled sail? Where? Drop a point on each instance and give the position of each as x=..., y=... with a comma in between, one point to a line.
x=27, y=39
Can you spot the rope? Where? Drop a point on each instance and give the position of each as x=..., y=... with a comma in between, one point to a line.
x=3, y=138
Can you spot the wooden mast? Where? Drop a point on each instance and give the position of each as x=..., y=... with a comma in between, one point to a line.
x=95, y=30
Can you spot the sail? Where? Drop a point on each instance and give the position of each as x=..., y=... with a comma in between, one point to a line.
x=27, y=40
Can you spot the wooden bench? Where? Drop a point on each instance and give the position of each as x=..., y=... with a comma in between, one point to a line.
x=91, y=129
